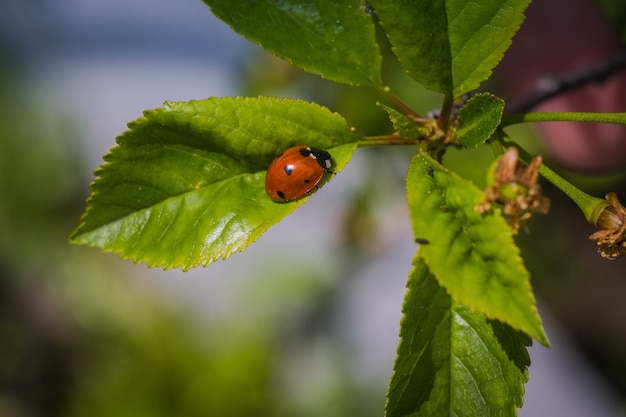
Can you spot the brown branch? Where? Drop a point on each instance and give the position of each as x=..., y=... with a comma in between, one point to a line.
x=550, y=86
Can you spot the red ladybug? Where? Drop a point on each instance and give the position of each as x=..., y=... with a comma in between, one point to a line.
x=296, y=172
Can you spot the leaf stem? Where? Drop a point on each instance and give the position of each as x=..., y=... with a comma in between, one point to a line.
x=497, y=145
x=385, y=140
x=590, y=206
x=403, y=107
x=588, y=117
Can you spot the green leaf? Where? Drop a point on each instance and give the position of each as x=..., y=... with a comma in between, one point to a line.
x=404, y=126
x=451, y=360
x=450, y=46
x=185, y=185
x=478, y=119
x=472, y=255
x=332, y=39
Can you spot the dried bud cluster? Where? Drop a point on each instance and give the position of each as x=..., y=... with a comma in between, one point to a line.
x=515, y=188
x=612, y=224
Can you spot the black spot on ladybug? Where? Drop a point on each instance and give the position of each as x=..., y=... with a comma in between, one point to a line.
x=307, y=181
x=280, y=194
x=305, y=152
x=288, y=169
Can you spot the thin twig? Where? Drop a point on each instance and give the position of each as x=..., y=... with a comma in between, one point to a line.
x=551, y=86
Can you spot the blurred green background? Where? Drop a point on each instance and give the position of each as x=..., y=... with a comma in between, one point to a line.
x=80, y=335
x=84, y=333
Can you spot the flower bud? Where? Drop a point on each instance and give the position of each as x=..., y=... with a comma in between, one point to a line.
x=612, y=225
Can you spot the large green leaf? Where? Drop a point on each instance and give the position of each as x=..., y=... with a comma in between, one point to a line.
x=450, y=46
x=451, y=360
x=471, y=254
x=185, y=185
x=334, y=39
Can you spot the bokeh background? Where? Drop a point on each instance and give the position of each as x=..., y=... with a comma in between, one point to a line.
x=305, y=321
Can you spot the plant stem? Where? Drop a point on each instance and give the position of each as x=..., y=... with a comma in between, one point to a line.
x=497, y=147
x=590, y=206
x=589, y=117
x=385, y=140
x=403, y=107
x=446, y=110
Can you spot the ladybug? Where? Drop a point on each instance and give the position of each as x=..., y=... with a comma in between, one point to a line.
x=296, y=172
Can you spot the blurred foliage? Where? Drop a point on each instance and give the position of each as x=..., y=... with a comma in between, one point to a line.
x=615, y=11
x=79, y=336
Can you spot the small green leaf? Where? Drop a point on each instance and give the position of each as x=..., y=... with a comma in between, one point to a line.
x=478, y=119
x=451, y=360
x=472, y=255
x=404, y=126
x=332, y=39
x=185, y=185
x=450, y=46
